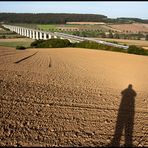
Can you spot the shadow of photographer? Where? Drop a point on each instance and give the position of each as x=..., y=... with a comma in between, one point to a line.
x=125, y=118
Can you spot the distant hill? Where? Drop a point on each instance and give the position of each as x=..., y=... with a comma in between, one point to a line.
x=53, y=18
x=131, y=20
x=62, y=18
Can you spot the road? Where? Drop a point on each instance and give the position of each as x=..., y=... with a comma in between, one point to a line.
x=78, y=38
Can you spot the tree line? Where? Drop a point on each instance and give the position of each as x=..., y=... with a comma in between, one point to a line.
x=61, y=43
x=62, y=18
x=51, y=18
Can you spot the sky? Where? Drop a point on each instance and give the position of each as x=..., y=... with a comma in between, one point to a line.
x=111, y=9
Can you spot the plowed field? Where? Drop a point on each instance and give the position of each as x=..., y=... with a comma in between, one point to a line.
x=72, y=97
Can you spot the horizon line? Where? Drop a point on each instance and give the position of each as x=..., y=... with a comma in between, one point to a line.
x=73, y=13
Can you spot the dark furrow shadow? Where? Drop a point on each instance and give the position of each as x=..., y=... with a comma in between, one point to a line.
x=125, y=118
x=50, y=62
x=25, y=58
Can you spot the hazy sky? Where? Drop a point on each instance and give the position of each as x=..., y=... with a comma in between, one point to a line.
x=111, y=9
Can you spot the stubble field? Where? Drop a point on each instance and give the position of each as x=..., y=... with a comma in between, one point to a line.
x=134, y=27
x=140, y=43
x=71, y=97
x=13, y=42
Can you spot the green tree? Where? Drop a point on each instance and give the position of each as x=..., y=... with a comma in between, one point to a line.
x=103, y=35
x=116, y=36
x=110, y=35
x=146, y=38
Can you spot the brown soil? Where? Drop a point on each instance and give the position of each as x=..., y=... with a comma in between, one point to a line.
x=135, y=27
x=72, y=97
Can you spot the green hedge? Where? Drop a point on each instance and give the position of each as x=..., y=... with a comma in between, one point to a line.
x=20, y=47
x=2, y=37
x=137, y=50
x=36, y=43
x=94, y=45
x=59, y=43
x=51, y=43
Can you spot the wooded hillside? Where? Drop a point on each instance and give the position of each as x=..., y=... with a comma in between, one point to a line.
x=52, y=18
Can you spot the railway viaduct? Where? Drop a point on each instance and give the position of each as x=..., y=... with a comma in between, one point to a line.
x=44, y=35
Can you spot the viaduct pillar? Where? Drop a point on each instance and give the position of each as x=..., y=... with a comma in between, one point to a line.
x=30, y=34
x=37, y=35
x=41, y=35
x=33, y=34
x=45, y=37
x=27, y=33
x=49, y=36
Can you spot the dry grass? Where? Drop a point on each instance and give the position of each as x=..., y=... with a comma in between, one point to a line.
x=128, y=42
x=135, y=27
x=16, y=40
x=145, y=48
x=90, y=23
